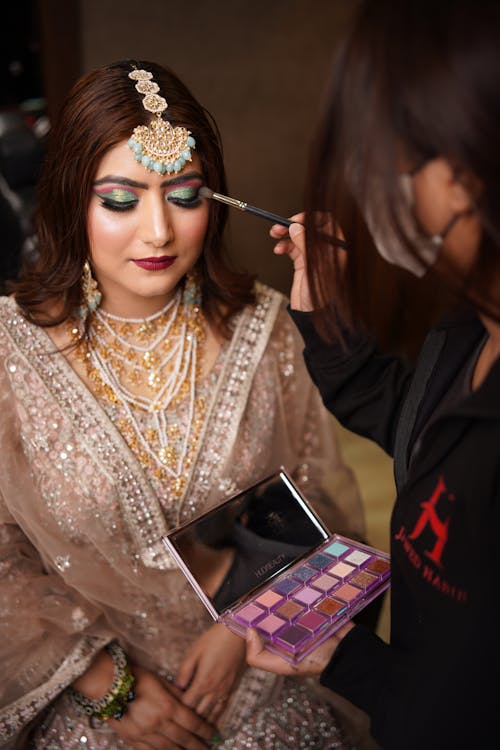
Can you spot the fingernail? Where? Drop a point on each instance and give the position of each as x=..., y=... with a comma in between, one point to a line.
x=295, y=229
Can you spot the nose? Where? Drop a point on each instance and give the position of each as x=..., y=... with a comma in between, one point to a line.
x=156, y=227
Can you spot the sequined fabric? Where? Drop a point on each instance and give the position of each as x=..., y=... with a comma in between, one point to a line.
x=81, y=562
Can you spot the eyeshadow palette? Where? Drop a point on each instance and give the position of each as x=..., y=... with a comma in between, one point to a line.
x=263, y=559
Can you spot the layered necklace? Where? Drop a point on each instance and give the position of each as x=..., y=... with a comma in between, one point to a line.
x=149, y=369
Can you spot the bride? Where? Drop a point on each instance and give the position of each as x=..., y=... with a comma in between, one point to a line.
x=143, y=381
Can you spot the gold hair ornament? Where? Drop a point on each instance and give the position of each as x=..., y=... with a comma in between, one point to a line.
x=159, y=147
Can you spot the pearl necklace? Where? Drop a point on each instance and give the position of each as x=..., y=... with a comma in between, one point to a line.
x=128, y=359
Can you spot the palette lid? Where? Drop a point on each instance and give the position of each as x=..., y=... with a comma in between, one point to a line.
x=240, y=545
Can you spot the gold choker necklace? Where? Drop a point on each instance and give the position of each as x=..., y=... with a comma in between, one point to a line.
x=150, y=370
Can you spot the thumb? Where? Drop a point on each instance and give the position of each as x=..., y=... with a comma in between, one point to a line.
x=296, y=231
x=255, y=645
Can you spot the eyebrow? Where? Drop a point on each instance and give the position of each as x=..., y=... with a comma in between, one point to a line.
x=144, y=185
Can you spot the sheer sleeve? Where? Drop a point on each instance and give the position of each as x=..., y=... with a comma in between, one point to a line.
x=49, y=634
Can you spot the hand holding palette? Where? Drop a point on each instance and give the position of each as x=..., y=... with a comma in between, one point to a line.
x=263, y=559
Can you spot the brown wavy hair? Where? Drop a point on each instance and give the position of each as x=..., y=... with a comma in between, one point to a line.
x=101, y=111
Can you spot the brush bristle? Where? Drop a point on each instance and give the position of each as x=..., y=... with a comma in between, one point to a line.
x=205, y=192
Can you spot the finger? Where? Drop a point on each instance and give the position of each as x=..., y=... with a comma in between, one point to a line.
x=186, y=673
x=188, y=720
x=205, y=705
x=183, y=738
x=191, y=698
x=157, y=741
x=258, y=656
x=278, y=230
x=217, y=711
x=297, y=234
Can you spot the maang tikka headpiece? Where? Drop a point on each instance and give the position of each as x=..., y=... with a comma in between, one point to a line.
x=159, y=147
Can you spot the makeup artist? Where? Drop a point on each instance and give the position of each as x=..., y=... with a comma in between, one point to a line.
x=407, y=161
x=142, y=382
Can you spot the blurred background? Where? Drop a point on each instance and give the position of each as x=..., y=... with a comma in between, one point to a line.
x=260, y=68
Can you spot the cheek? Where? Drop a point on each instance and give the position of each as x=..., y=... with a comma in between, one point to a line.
x=431, y=209
x=193, y=228
x=105, y=231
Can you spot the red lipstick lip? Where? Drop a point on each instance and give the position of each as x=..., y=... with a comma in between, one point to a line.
x=154, y=264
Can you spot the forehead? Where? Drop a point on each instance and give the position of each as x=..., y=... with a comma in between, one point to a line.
x=119, y=161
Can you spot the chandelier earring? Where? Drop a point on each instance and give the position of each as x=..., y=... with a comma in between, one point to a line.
x=91, y=296
x=192, y=290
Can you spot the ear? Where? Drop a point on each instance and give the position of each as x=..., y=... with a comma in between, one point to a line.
x=463, y=189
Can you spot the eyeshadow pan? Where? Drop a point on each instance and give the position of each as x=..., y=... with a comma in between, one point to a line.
x=336, y=549
x=357, y=557
x=378, y=566
x=329, y=606
x=319, y=561
x=341, y=569
x=347, y=592
x=289, y=610
x=304, y=573
x=324, y=582
x=312, y=621
x=271, y=624
x=307, y=595
x=286, y=586
x=249, y=614
x=268, y=599
x=363, y=579
x=293, y=635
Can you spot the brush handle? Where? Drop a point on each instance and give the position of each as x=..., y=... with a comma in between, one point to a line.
x=284, y=222
x=268, y=215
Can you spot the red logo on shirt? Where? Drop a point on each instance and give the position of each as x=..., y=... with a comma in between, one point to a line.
x=429, y=517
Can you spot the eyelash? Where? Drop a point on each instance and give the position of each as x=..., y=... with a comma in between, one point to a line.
x=185, y=202
x=117, y=206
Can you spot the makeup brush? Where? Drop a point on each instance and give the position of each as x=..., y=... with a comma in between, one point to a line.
x=205, y=192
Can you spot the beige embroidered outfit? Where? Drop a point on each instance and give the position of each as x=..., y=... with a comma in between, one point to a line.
x=81, y=520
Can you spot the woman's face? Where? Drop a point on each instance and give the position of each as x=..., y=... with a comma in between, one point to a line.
x=146, y=231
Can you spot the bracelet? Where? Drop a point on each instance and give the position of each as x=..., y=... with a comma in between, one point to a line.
x=114, y=704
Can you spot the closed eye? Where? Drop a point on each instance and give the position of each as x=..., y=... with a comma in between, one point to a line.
x=185, y=196
x=117, y=199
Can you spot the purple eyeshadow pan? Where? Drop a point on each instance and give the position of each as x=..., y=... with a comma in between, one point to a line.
x=319, y=561
x=249, y=614
x=271, y=624
x=293, y=635
x=307, y=596
x=286, y=586
x=312, y=621
x=304, y=573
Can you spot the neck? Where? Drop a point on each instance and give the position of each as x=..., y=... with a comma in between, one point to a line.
x=136, y=308
x=493, y=329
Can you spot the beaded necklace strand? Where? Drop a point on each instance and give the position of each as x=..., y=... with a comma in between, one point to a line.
x=160, y=355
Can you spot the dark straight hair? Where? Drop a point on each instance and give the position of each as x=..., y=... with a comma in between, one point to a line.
x=413, y=79
x=101, y=111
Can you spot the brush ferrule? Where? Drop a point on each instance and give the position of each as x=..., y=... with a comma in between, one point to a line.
x=230, y=201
